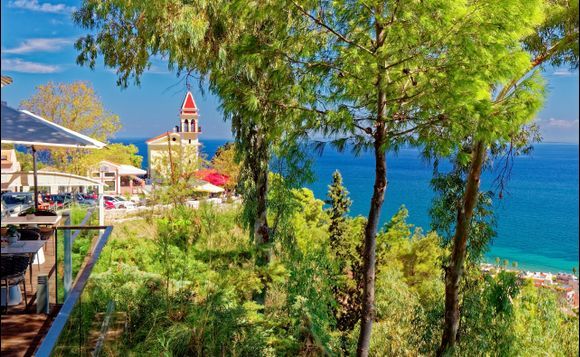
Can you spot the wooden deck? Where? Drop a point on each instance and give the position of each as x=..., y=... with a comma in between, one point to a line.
x=22, y=330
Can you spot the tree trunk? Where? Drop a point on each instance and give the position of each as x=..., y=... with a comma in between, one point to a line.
x=369, y=252
x=369, y=258
x=454, y=271
x=261, y=230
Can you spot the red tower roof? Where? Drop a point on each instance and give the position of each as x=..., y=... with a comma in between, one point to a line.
x=188, y=106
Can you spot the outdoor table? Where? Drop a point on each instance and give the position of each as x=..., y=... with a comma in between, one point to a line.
x=21, y=247
x=22, y=220
x=33, y=220
x=29, y=247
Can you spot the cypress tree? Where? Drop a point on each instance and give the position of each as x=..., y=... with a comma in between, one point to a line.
x=340, y=205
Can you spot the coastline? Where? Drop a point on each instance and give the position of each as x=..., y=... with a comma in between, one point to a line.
x=563, y=284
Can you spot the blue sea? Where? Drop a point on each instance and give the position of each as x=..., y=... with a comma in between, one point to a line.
x=537, y=218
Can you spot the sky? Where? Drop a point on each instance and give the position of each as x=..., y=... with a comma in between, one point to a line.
x=37, y=47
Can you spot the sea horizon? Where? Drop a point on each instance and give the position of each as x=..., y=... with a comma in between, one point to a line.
x=537, y=220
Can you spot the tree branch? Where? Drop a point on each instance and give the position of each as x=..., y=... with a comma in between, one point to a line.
x=536, y=62
x=330, y=29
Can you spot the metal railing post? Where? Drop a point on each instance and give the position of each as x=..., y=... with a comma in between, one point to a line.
x=101, y=206
x=67, y=278
x=50, y=340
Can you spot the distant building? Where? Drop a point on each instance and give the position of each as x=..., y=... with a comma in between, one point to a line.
x=10, y=165
x=182, y=140
x=119, y=179
x=9, y=161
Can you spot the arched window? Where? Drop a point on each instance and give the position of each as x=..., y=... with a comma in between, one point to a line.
x=185, y=126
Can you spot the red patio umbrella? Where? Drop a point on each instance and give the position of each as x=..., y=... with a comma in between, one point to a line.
x=213, y=177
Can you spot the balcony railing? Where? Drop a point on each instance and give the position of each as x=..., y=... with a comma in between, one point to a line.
x=73, y=295
x=75, y=252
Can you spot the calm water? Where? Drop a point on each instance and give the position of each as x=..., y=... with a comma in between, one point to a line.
x=537, y=219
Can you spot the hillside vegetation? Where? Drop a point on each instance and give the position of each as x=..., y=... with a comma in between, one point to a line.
x=186, y=279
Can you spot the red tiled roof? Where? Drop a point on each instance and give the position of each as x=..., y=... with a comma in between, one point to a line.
x=158, y=137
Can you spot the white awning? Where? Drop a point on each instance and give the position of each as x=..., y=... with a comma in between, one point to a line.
x=209, y=188
x=131, y=170
x=25, y=128
x=46, y=179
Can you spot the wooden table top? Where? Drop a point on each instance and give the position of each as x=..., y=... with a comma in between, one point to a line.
x=49, y=220
x=22, y=247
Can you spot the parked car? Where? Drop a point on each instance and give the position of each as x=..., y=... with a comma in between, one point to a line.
x=60, y=201
x=83, y=201
x=119, y=202
x=109, y=204
x=16, y=202
x=90, y=195
x=125, y=203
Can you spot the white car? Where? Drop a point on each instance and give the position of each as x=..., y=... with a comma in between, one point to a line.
x=125, y=203
x=119, y=202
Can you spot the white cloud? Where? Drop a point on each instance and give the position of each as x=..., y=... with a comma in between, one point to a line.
x=40, y=45
x=34, y=5
x=559, y=130
x=156, y=70
x=18, y=65
x=564, y=73
x=558, y=123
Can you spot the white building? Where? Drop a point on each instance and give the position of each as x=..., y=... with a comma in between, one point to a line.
x=119, y=179
x=9, y=161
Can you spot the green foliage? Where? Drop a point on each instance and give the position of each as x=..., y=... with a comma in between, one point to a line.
x=449, y=194
x=25, y=160
x=186, y=279
x=543, y=325
x=358, y=73
x=339, y=207
x=117, y=153
x=417, y=257
x=345, y=248
x=225, y=162
x=397, y=330
x=504, y=316
x=555, y=41
x=488, y=313
x=174, y=175
x=75, y=106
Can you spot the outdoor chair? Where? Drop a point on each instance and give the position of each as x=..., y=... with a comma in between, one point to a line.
x=45, y=213
x=31, y=234
x=12, y=272
x=46, y=231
